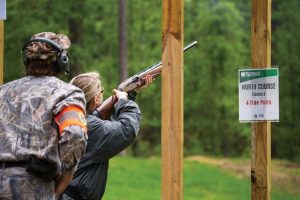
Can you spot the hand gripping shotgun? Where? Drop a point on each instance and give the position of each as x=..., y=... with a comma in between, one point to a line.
x=134, y=82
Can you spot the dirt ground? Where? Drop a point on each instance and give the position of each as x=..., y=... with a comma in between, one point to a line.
x=285, y=175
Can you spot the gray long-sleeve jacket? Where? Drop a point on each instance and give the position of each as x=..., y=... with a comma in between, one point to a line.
x=105, y=140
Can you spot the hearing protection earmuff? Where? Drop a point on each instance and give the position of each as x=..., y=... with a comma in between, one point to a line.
x=62, y=57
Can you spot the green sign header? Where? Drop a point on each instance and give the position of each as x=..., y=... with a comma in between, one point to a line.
x=246, y=75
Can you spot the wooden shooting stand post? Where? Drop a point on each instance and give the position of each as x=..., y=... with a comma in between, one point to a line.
x=261, y=131
x=1, y=50
x=172, y=100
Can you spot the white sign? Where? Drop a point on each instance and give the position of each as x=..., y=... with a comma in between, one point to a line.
x=2, y=9
x=258, y=94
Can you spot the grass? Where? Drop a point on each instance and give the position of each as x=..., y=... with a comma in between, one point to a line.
x=140, y=179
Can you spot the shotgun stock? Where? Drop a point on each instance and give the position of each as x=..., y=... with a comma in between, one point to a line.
x=134, y=82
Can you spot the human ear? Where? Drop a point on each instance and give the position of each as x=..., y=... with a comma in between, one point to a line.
x=96, y=100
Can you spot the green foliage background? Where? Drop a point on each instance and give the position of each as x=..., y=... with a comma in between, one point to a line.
x=222, y=29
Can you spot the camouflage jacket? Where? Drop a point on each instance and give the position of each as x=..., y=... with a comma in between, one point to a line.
x=27, y=127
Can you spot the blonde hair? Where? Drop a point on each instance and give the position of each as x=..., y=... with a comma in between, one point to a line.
x=89, y=83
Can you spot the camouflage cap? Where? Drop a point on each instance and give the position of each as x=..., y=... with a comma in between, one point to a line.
x=60, y=39
x=40, y=51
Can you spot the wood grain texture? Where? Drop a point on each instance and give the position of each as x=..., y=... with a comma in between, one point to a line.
x=261, y=131
x=172, y=100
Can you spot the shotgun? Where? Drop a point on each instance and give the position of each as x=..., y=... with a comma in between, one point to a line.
x=106, y=108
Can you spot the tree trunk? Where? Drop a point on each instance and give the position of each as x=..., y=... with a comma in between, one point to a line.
x=75, y=30
x=123, y=73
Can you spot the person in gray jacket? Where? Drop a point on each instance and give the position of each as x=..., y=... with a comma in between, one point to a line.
x=106, y=138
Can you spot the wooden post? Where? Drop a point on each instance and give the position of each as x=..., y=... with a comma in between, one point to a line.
x=261, y=131
x=1, y=50
x=172, y=100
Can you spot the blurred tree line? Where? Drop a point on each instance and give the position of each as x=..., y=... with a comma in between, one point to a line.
x=222, y=29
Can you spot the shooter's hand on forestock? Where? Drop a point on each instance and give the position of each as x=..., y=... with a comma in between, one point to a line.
x=145, y=82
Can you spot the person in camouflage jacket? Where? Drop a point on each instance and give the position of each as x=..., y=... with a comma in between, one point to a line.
x=42, y=123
